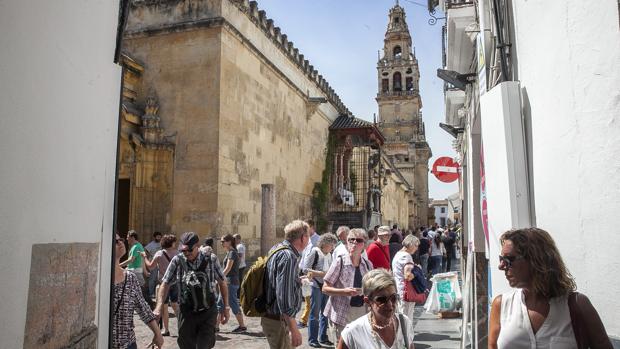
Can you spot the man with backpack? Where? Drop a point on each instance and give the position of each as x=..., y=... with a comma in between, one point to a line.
x=196, y=273
x=283, y=288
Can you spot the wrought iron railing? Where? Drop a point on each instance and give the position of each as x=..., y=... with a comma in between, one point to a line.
x=398, y=93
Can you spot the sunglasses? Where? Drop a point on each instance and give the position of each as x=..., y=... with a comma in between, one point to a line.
x=508, y=260
x=187, y=250
x=384, y=299
x=119, y=240
x=356, y=240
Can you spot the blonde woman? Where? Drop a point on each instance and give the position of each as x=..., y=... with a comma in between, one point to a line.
x=382, y=327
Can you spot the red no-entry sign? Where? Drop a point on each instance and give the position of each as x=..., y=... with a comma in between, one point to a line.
x=445, y=169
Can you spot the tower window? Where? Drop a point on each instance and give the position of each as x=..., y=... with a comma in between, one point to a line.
x=397, y=82
x=396, y=20
x=385, y=85
x=409, y=84
x=397, y=52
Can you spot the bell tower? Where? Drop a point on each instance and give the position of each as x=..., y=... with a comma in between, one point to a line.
x=400, y=118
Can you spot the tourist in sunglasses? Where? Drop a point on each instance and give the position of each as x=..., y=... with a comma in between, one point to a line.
x=538, y=313
x=343, y=283
x=382, y=327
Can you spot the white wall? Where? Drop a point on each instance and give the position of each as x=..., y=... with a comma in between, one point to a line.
x=59, y=96
x=439, y=215
x=568, y=64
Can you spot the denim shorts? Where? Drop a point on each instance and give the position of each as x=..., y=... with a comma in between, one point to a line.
x=173, y=295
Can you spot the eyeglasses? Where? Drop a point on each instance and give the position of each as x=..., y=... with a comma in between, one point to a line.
x=119, y=240
x=508, y=260
x=384, y=299
x=187, y=250
x=356, y=240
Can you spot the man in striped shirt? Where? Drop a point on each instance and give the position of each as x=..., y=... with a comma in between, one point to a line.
x=284, y=288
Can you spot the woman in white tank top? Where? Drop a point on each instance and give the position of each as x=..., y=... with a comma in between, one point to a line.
x=536, y=315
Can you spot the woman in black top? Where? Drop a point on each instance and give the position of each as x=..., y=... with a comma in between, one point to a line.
x=231, y=270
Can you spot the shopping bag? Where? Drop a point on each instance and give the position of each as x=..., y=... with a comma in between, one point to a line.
x=445, y=295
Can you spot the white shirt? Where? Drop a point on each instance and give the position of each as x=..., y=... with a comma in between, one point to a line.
x=359, y=335
x=437, y=251
x=341, y=249
x=516, y=329
x=241, y=251
x=398, y=265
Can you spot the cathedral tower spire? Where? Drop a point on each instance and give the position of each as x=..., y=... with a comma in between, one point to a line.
x=400, y=118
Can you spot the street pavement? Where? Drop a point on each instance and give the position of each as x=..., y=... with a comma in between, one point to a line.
x=430, y=332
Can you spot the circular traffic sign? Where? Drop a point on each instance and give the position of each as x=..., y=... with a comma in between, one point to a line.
x=446, y=169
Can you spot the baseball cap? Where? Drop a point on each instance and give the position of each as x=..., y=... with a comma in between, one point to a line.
x=188, y=240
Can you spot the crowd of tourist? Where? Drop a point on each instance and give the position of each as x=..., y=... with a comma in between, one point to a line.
x=359, y=282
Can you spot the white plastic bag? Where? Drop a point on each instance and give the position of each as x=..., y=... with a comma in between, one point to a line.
x=445, y=295
x=306, y=287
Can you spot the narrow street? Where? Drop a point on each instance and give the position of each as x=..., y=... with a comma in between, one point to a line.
x=430, y=332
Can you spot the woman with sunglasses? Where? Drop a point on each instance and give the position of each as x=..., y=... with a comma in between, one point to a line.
x=231, y=270
x=343, y=283
x=382, y=327
x=543, y=311
x=127, y=298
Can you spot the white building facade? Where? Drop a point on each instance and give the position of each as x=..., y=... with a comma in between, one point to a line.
x=59, y=107
x=440, y=209
x=534, y=105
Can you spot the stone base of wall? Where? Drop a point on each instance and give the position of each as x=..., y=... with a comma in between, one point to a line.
x=62, y=300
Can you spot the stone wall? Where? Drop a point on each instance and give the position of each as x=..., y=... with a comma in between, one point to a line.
x=235, y=92
x=395, y=202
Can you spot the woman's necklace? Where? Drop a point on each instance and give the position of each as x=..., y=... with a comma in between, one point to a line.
x=374, y=327
x=379, y=327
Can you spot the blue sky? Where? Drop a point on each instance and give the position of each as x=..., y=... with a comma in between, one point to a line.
x=341, y=39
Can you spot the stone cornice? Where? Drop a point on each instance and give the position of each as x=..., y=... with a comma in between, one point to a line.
x=280, y=40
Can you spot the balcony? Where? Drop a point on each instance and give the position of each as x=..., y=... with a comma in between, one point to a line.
x=455, y=100
x=447, y=4
x=413, y=92
x=460, y=34
x=385, y=62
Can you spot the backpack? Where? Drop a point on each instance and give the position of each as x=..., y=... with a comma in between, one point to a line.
x=253, y=296
x=195, y=287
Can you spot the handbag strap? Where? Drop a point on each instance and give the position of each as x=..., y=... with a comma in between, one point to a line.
x=575, y=320
x=120, y=301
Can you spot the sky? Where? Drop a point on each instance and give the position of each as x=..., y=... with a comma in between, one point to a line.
x=341, y=39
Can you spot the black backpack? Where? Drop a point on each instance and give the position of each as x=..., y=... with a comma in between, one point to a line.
x=196, y=294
